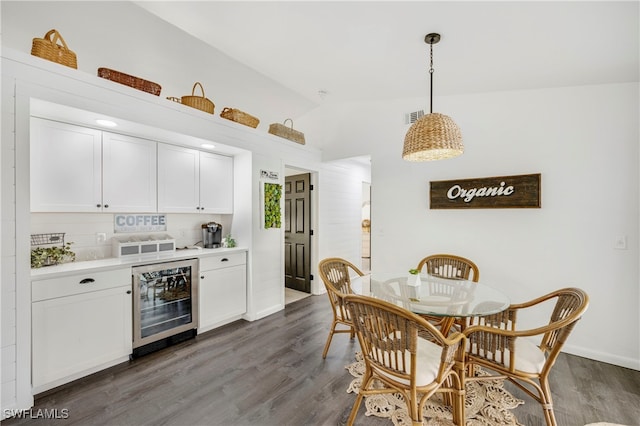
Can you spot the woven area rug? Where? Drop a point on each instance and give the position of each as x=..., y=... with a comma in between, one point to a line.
x=487, y=403
x=603, y=424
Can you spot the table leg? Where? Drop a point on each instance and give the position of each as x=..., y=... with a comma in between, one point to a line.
x=447, y=323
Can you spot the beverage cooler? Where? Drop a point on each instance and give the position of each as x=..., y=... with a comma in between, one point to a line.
x=165, y=305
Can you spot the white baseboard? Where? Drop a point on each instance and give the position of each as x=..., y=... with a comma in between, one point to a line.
x=266, y=312
x=620, y=361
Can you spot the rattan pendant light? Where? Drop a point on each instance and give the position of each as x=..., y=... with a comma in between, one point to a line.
x=434, y=136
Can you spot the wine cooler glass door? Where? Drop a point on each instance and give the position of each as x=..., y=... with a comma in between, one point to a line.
x=164, y=300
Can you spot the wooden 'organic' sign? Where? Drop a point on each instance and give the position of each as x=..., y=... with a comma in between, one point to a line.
x=521, y=191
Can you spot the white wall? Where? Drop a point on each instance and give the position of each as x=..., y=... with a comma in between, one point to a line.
x=340, y=209
x=584, y=142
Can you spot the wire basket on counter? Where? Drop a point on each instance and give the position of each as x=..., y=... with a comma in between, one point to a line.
x=43, y=239
x=56, y=252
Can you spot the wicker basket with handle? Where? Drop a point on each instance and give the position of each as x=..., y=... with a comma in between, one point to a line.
x=129, y=80
x=199, y=102
x=287, y=132
x=239, y=117
x=49, y=49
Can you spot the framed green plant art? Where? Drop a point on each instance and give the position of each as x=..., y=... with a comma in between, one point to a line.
x=272, y=211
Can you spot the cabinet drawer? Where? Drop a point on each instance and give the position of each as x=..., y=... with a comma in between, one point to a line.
x=222, y=261
x=79, y=283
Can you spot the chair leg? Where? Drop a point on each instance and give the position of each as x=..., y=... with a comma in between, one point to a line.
x=456, y=396
x=461, y=395
x=326, y=345
x=354, y=410
x=415, y=409
x=547, y=403
x=458, y=408
x=356, y=405
x=550, y=417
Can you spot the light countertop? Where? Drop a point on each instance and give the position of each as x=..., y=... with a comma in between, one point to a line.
x=47, y=272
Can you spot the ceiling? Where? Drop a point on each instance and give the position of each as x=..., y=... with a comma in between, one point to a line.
x=374, y=50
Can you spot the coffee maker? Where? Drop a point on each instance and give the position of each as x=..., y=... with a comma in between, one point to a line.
x=212, y=235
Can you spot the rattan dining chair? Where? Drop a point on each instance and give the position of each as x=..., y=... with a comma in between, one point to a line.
x=398, y=356
x=525, y=356
x=451, y=267
x=336, y=275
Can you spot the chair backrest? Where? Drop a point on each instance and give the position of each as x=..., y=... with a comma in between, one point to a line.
x=389, y=336
x=450, y=266
x=336, y=274
x=570, y=305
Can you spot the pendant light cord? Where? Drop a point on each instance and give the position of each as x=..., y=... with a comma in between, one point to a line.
x=431, y=78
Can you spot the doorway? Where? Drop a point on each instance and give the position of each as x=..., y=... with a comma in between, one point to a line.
x=297, y=232
x=366, y=227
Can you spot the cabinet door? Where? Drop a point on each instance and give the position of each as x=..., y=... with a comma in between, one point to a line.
x=216, y=183
x=128, y=174
x=178, y=179
x=223, y=296
x=77, y=333
x=65, y=167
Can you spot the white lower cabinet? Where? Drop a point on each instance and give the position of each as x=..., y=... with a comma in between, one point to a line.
x=80, y=324
x=223, y=290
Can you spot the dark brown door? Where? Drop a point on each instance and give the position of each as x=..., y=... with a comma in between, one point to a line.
x=297, y=234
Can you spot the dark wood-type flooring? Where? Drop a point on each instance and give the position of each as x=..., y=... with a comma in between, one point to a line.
x=271, y=372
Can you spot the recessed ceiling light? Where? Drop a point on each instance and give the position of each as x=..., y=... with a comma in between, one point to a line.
x=207, y=146
x=107, y=123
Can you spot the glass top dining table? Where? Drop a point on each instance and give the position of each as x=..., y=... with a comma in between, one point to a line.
x=435, y=296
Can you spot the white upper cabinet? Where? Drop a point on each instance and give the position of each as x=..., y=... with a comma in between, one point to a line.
x=77, y=169
x=178, y=179
x=216, y=183
x=66, y=169
x=191, y=181
x=128, y=174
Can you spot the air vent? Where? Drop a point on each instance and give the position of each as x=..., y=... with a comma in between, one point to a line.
x=412, y=117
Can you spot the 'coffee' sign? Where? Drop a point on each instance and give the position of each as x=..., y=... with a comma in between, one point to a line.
x=139, y=222
x=521, y=191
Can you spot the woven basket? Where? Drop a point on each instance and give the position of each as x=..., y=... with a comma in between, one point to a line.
x=49, y=49
x=199, y=102
x=239, y=117
x=129, y=80
x=287, y=132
